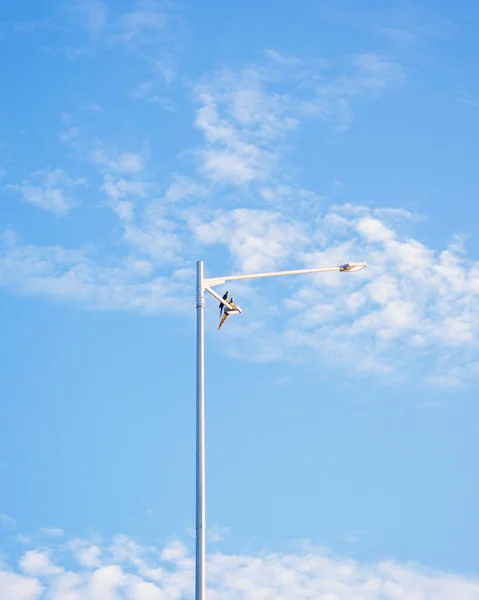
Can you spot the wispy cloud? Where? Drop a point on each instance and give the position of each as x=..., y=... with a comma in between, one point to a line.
x=149, y=29
x=216, y=534
x=91, y=15
x=399, y=34
x=368, y=76
x=32, y=25
x=52, y=191
x=151, y=91
x=51, y=531
x=144, y=25
x=406, y=24
x=412, y=304
x=352, y=537
x=240, y=121
x=246, y=120
x=7, y=521
x=94, y=108
x=383, y=320
x=154, y=31
x=122, y=194
x=126, y=284
x=103, y=154
x=469, y=100
x=125, y=162
x=373, y=73
x=148, y=213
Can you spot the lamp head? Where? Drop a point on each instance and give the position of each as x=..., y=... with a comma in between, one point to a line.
x=352, y=267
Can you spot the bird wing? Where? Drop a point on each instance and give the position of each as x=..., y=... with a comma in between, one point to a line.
x=225, y=298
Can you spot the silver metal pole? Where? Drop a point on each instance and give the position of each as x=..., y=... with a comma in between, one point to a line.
x=200, y=575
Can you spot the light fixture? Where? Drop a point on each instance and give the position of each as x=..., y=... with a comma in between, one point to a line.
x=352, y=267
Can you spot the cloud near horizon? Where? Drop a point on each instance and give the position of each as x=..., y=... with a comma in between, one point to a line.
x=123, y=569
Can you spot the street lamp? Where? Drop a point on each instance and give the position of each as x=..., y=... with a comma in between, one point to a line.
x=206, y=284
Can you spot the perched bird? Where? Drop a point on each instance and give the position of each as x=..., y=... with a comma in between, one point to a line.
x=226, y=312
x=226, y=295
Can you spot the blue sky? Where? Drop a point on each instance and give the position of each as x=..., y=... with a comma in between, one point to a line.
x=342, y=420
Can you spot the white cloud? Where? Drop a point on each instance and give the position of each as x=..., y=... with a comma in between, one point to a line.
x=175, y=551
x=404, y=297
x=18, y=587
x=411, y=304
x=183, y=188
x=50, y=190
x=69, y=586
x=256, y=239
x=121, y=188
x=125, y=550
x=105, y=582
x=143, y=573
x=87, y=554
x=38, y=564
x=157, y=238
x=374, y=231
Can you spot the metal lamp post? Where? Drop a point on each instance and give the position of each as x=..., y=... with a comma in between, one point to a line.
x=205, y=284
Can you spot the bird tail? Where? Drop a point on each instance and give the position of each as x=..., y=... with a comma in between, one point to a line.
x=223, y=319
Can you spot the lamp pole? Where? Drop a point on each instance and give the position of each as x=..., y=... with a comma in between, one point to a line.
x=200, y=575
x=205, y=284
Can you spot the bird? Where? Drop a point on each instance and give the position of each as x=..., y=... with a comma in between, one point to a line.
x=222, y=306
x=224, y=315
